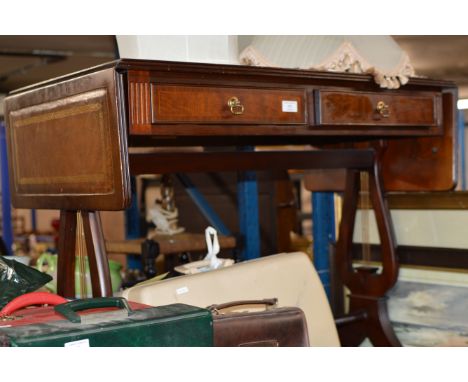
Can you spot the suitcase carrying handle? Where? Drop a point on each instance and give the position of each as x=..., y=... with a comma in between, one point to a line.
x=69, y=309
x=268, y=302
x=29, y=299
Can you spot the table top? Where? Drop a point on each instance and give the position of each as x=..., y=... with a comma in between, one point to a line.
x=69, y=138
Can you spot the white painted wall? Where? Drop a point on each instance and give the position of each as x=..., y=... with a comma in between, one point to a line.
x=427, y=228
x=209, y=49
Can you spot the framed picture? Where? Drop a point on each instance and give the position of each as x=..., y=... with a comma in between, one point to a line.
x=428, y=307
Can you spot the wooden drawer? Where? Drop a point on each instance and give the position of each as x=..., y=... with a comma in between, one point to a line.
x=200, y=104
x=361, y=108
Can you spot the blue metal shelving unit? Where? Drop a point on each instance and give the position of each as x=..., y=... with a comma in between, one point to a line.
x=323, y=232
x=247, y=209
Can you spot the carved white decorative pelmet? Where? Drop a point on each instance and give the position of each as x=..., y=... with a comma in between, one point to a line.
x=378, y=55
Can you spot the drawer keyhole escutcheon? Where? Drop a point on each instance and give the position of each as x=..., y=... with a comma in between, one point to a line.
x=235, y=106
x=383, y=109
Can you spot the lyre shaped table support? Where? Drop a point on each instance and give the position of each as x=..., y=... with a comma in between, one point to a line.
x=368, y=287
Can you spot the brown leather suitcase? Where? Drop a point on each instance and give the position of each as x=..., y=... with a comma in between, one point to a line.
x=278, y=327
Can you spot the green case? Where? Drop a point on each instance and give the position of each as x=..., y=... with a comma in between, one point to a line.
x=169, y=325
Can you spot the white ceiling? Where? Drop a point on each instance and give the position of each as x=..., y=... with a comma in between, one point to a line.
x=25, y=60
x=439, y=57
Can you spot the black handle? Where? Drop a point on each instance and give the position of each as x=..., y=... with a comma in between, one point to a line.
x=69, y=309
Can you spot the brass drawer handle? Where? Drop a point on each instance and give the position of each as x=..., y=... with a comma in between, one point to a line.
x=235, y=106
x=383, y=109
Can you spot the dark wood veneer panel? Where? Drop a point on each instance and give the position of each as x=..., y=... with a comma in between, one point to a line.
x=67, y=147
x=186, y=104
x=425, y=163
x=360, y=108
x=63, y=147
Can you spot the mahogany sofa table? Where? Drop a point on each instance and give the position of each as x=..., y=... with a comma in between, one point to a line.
x=74, y=142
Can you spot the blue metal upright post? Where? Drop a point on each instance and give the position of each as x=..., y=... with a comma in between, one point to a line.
x=247, y=207
x=33, y=220
x=461, y=146
x=323, y=227
x=7, y=230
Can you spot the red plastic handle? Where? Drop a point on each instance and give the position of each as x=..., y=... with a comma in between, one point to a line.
x=33, y=298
